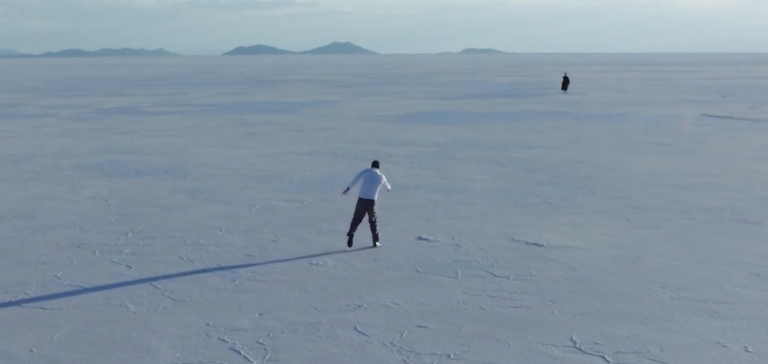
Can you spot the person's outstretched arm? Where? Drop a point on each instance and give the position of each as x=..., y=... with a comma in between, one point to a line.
x=355, y=181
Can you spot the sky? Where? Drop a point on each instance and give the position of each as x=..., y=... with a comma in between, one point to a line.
x=388, y=26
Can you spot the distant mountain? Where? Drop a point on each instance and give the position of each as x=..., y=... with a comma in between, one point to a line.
x=9, y=53
x=333, y=48
x=339, y=48
x=107, y=52
x=258, y=49
x=481, y=51
x=66, y=53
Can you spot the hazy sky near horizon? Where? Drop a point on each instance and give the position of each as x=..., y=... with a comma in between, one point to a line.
x=388, y=26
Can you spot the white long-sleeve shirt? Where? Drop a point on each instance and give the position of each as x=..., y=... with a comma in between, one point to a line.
x=372, y=179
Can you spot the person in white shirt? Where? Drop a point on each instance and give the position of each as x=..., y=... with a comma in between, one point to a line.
x=372, y=179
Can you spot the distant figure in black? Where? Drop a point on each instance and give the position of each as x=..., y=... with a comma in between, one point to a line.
x=566, y=82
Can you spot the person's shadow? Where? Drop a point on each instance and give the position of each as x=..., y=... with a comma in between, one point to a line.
x=135, y=282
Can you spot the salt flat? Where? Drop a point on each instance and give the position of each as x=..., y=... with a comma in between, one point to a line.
x=188, y=209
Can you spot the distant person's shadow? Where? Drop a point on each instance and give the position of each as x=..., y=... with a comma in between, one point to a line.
x=135, y=282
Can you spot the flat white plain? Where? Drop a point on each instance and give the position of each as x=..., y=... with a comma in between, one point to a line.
x=188, y=210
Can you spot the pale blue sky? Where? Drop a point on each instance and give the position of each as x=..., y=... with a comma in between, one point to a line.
x=388, y=26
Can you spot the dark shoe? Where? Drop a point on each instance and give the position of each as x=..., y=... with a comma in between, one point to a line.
x=350, y=236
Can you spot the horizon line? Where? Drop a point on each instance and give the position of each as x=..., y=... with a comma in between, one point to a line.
x=14, y=53
x=303, y=53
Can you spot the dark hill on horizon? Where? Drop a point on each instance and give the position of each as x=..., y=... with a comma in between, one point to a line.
x=258, y=49
x=339, y=48
x=332, y=48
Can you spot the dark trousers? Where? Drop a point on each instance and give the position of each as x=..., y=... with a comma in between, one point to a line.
x=365, y=206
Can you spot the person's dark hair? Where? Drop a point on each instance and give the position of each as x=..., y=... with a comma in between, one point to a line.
x=375, y=164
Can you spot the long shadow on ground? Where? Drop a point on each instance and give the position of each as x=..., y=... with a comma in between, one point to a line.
x=135, y=282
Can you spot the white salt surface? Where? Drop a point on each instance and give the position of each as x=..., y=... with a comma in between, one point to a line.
x=188, y=210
